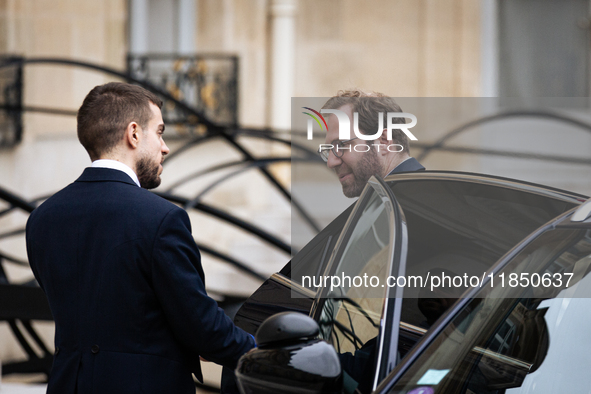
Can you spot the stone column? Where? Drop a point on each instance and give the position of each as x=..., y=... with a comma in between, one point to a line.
x=187, y=26
x=489, y=55
x=282, y=62
x=138, y=26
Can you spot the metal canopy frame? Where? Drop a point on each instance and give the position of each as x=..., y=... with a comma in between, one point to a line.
x=22, y=303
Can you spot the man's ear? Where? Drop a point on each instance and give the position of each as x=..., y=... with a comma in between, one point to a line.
x=133, y=135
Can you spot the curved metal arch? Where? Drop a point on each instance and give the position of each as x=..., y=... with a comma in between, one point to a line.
x=34, y=362
x=512, y=114
x=278, y=185
x=262, y=234
x=18, y=202
x=11, y=62
x=188, y=145
x=13, y=233
x=211, y=127
x=213, y=131
x=236, y=172
x=235, y=263
x=267, y=134
x=250, y=132
x=249, y=158
x=33, y=203
x=13, y=260
x=209, y=170
x=241, y=266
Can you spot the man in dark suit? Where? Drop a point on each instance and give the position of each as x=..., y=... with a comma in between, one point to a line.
x=119, y=265
x=355, y=165
x=354, y=168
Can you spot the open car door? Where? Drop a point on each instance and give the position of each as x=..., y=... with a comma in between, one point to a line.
x=356, y=309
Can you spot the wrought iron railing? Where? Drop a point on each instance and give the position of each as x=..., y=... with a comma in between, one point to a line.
x=193, y=100
x=206, y=82
x=11, y=103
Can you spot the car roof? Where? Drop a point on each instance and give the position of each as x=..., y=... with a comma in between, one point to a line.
x=486, y=179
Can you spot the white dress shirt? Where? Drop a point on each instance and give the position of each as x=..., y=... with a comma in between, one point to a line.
x=117, y=165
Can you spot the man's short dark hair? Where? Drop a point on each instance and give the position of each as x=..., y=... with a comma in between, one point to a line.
x=368, y=105
x=106, y=112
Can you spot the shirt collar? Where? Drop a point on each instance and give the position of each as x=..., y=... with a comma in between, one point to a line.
x=116, y=165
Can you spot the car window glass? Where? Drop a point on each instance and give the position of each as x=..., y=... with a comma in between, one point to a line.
x=312, y=259
x=470, y=223
x=462, y=228
x=519, y=334
x=350, y=318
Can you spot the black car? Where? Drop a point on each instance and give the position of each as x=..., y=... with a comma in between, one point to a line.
x=480, y=337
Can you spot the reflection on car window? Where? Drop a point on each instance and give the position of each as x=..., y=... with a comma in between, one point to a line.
x=516, y=337
x=450, y=222
x=350, y=317
x=312, y=259
x=461, y=228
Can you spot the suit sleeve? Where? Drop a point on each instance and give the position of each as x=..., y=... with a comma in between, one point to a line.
x=195, y=318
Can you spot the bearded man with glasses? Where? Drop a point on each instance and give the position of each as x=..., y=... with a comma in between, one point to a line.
x=355, y=165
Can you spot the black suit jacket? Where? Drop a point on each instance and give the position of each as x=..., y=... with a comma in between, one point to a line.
x=408, y=165
x=125, y=285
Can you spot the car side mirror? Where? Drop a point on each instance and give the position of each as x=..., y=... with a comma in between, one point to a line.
x=290, y=359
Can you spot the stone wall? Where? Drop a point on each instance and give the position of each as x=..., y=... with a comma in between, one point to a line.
x=403, y=48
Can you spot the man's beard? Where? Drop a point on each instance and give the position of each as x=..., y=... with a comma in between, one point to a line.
x=147, y=173
x=366, y=167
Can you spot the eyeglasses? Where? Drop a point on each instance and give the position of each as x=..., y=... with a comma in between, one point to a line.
x=337, y=149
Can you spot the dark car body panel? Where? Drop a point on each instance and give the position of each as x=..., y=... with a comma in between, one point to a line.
x=274, y=296
x=428, y=188
x=425, y=344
